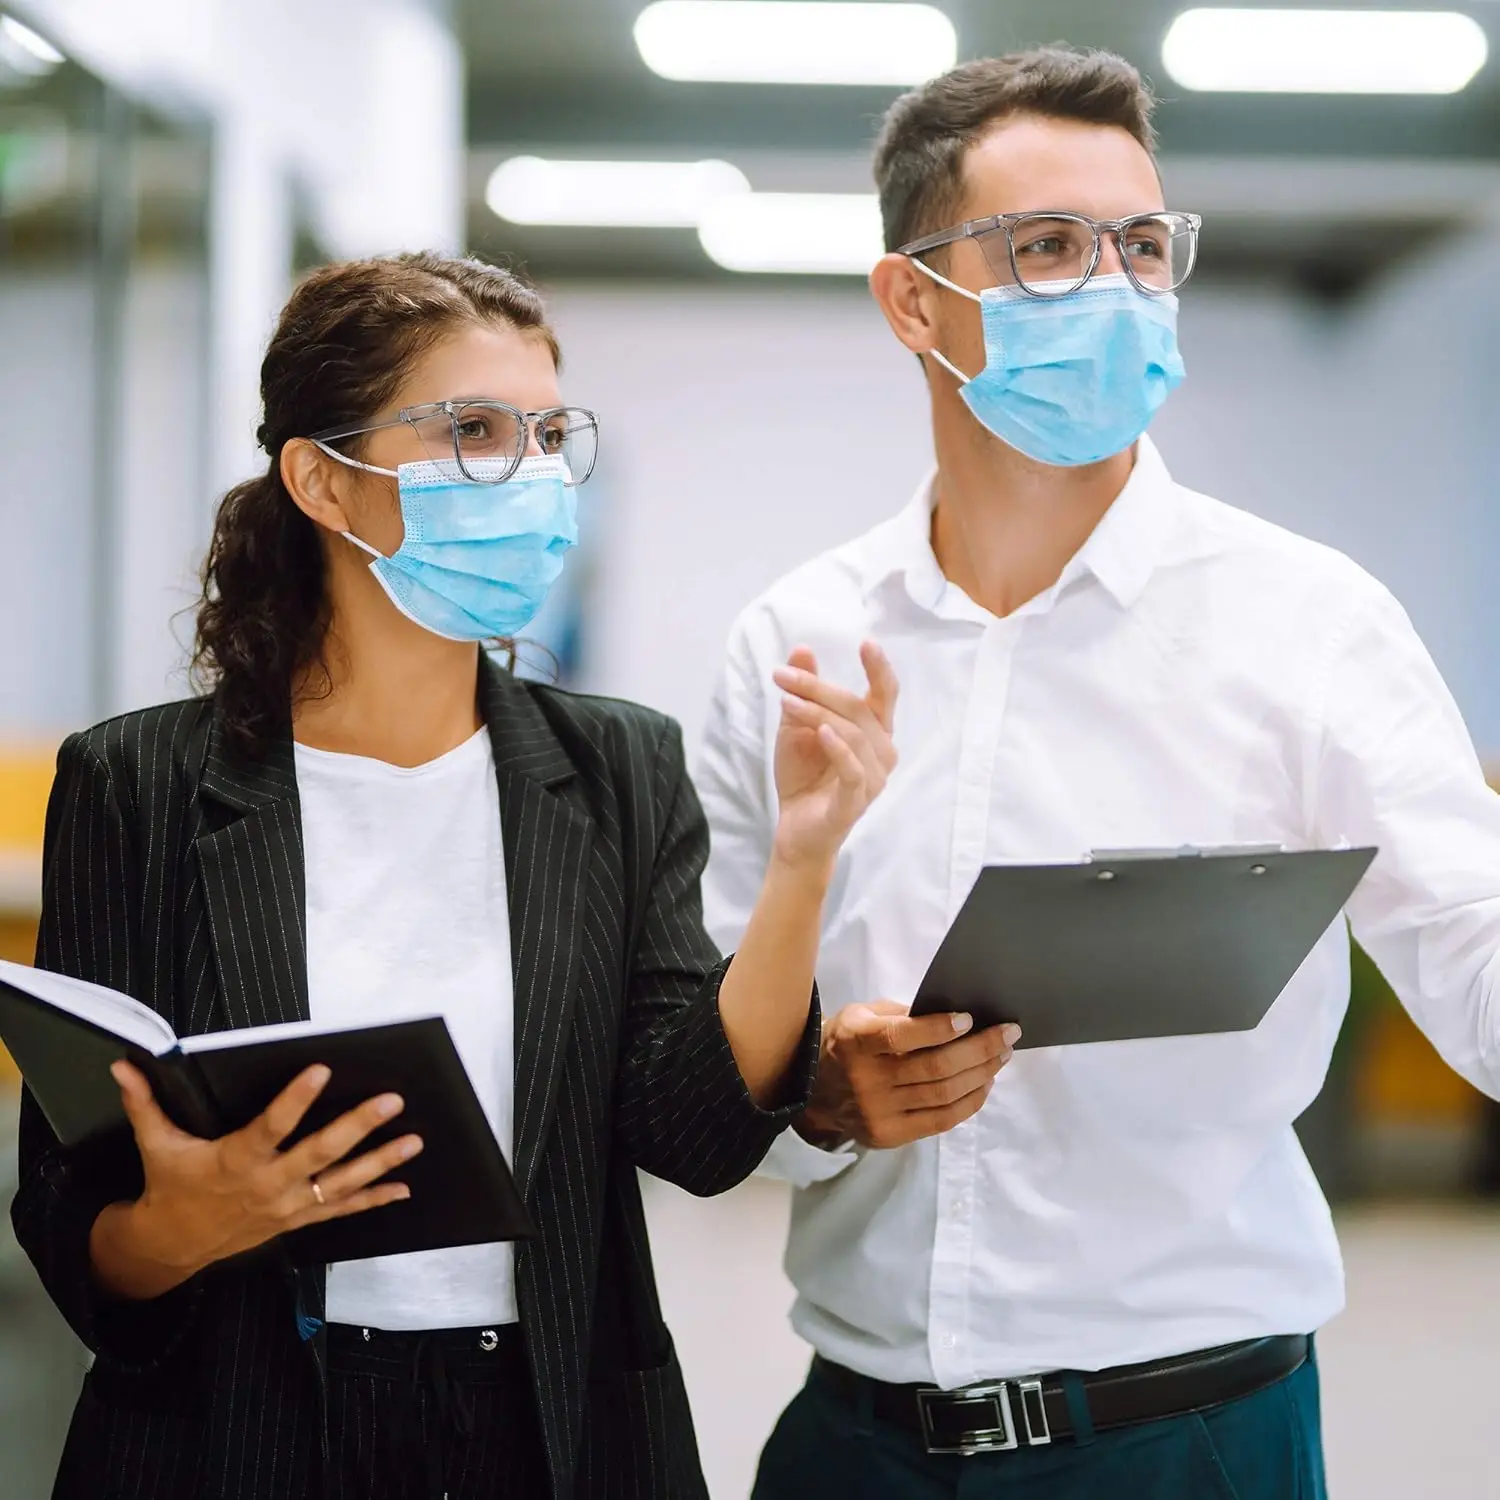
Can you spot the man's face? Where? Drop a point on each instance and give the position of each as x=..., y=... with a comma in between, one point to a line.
x=1030, y=163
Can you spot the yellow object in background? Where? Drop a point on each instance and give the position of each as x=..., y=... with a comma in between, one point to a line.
x=25, y=781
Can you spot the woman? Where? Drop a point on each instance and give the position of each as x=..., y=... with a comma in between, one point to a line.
x=368, y=819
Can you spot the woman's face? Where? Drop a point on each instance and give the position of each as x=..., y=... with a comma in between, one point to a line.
x=480, y=362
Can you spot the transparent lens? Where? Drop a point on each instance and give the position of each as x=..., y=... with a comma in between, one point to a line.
x=482, y=432
x=1159, y=250
x=573, y=435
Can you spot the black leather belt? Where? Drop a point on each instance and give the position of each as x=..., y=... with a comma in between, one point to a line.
x=1003, y=1414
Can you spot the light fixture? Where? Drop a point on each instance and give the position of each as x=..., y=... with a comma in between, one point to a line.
x=810, y=234
x=23, y=51
x=795, y=41
x=1324, y=51
x=645, y=194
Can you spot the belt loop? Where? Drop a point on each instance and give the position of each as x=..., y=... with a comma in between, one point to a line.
x=1078, y=1407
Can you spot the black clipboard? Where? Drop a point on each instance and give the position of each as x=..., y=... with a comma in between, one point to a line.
x=1136, y=943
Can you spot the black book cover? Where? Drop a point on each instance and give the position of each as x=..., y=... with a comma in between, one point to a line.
x=462, y=1191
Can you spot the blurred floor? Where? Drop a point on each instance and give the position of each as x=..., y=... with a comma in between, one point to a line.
x=1409, y=1371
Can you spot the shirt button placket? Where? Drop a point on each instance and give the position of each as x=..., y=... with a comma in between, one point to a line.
x=949, y=1345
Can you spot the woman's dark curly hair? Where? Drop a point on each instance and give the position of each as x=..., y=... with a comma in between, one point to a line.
x=342, y=347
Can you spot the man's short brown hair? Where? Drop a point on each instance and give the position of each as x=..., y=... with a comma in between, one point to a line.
x=919, y=154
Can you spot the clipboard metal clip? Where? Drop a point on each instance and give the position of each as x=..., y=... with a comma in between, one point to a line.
x=1183, y=851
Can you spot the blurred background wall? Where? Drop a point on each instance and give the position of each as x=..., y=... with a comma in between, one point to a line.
x=167, y=167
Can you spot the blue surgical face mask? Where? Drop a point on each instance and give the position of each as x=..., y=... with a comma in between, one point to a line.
x=477, y=560
x=1075, y=378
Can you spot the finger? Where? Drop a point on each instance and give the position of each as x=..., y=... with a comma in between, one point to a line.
x=918, y=1124
x=903, y=1034
x=847, y=765
x=949, y=1090
x=815, y=689
x=885, y=687
x=803, y=659
x=334, y=1142
x=362, y=1202
x=263, y=1135
x=153, y=1130
x=313, y=1212
x=935, y=1063
x=339, y=1182
x=810, y=716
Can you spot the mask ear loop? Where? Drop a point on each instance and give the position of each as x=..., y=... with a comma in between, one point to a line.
x=962, y=291
x=355, y=463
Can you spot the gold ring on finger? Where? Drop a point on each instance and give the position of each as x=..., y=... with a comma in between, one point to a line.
x=318, y=1192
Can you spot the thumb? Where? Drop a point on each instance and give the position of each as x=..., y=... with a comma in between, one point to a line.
x=153, y=1130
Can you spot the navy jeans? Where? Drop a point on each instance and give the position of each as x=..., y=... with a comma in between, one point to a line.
x=1263, y=1447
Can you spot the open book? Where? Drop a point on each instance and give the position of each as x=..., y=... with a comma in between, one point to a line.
x=64, y=1035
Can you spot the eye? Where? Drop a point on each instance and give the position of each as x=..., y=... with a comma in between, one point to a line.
x=554, y=435
x=1048, y=245
x=1145, y=247
x=473, y=429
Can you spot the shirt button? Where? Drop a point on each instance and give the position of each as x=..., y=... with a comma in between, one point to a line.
x=950, y=1341
x=961, y=1208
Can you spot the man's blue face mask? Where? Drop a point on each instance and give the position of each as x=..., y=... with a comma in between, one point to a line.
x=1071, y=379
x=476, y=561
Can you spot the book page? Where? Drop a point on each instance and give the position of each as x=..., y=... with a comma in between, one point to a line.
x=244, y=1036
x=109, y=1009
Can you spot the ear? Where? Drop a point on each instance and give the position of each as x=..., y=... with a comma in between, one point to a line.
x=316, y=483
x=908, y=299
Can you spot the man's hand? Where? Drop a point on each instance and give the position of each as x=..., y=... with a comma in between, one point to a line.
x=887, y=1078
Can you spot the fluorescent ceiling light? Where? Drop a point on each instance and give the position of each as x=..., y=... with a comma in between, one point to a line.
x=25, y=51
x=795, y=41
x=811, y=234
x=645, y=194
x=1324, y=51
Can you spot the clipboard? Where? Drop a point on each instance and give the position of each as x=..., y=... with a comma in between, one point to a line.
x=1138, y=943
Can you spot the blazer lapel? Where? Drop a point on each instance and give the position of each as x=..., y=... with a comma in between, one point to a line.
x=547, y=842
x=254, y=884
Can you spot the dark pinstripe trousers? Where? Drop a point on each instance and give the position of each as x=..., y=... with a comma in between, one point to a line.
x=434, y=1416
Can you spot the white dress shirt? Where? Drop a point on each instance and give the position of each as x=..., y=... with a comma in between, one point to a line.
x=1196, y=676
x=407, y=916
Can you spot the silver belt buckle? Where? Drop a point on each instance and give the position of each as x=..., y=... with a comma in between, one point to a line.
x=993, y=1429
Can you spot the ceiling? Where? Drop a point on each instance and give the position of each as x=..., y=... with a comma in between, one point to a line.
x=1327, y=190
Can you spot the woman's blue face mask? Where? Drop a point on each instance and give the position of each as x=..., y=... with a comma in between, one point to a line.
x=1071, y=379
x=476, y=561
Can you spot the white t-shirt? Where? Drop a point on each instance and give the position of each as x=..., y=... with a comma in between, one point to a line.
x=407, y=916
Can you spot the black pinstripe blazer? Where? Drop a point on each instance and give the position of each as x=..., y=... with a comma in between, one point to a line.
x=174, y=871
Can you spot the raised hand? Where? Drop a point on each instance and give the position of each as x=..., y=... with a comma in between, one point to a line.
x=834, y=753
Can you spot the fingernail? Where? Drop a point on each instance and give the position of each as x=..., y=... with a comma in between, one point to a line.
x=403, y=1192
x=1010, y=1034
x=410, y=1147
x=116, y=1072
x=388, y=1105
x=962, y=1023
x=320, y=1075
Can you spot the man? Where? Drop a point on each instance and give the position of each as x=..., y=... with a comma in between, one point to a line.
x=1121, y=1247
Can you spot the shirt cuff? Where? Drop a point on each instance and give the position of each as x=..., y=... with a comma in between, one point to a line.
x=799, y=1162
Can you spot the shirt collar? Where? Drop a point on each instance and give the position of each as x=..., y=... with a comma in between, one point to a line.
x=1121, y=553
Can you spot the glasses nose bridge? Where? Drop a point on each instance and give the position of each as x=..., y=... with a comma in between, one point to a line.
x=531, y=423
x=1110, y=238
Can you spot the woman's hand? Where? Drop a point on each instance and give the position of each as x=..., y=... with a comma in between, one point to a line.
x=207, y=1200
x=834, y=753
